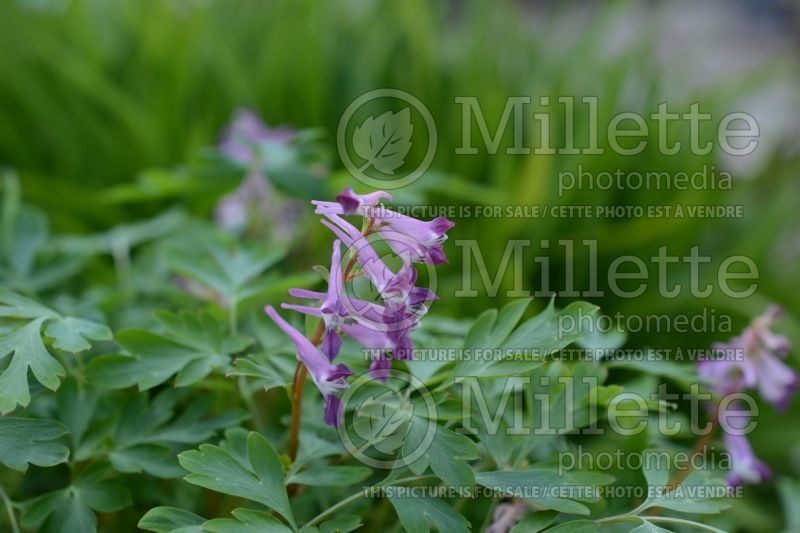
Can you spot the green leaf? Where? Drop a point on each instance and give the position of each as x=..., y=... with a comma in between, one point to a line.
x=28, y=352
x=120, y=239
x=27, y=262
x=341, y=524
x=227, y=273
x=76, y=406
x=313, y=447
x=25, y=441
x=658, y=367
x=148, y=434
x=259, y=478
x=13, y=305
x=384, y=142
x=247, y=521
x=71, y=333
x=649, y=527
x=196, y=346
x=331, y=476
x=447, y=454
x=70, y=509
x=418, y=514
x=382, y=421
x=525, y=347
x=258, y=366
x=694, y=494
x=492, y=328
x=789, y=492
x=153, y=360
x=154, y=459
x=534, y=522
x=576, y=526
x=168, y=519
x=535, y=484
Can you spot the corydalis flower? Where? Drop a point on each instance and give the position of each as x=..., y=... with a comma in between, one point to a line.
x=753, y=360
x=394, y=287
x=328, y=378
x=417, y=240
x=381, y=327
x=352, y=203
x=745, y=466
x=358, y=319
x=255, y=202
x=241, y=140
x=337, y=308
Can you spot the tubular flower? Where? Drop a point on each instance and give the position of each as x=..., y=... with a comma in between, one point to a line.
x=414, y=239
x=753, y=360
x=394, y=287
x=247, y=142
x=745, y=466
x=382, y=327
x=240, y=141
x=328, y=378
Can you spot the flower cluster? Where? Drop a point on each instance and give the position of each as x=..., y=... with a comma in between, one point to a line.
x=751, y=361
x=249, y=143
x=381, y=327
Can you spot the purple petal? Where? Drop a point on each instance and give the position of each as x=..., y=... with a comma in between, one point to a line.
x=420, y=295
x=333, y=410
x=331, y=344
x=379, y=369
x=776, y=381
x=440, y=225
x=368, y=338
x=303, y=293
x=340, y=372
x=404, y=348
x=349, y=201
x=745, y=466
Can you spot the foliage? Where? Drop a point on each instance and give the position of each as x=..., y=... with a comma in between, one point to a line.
x=142, y=387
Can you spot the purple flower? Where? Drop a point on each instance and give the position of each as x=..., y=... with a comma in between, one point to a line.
x=365, y=336
x=352, y=203
x=241, y=138
x=255, y=203
x=403, y=347
x=753, y=360
x=337, y=308
x=394, y=287
x=383, y=328
x=380, y=367
x=745, y=466
x=328, y=378
x=414, y=239
x=332, y=311
x=422, y=241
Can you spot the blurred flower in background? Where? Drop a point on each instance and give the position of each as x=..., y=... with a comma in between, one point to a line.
x=255, y=205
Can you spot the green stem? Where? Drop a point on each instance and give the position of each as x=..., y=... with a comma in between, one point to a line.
x=662, y=519
x=233, y=318
x=489, y=515
x=681, y=521
x=247, y=398
x=12, y=518
x=360, y=494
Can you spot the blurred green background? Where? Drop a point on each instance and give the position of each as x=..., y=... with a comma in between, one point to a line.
x=107, y=110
